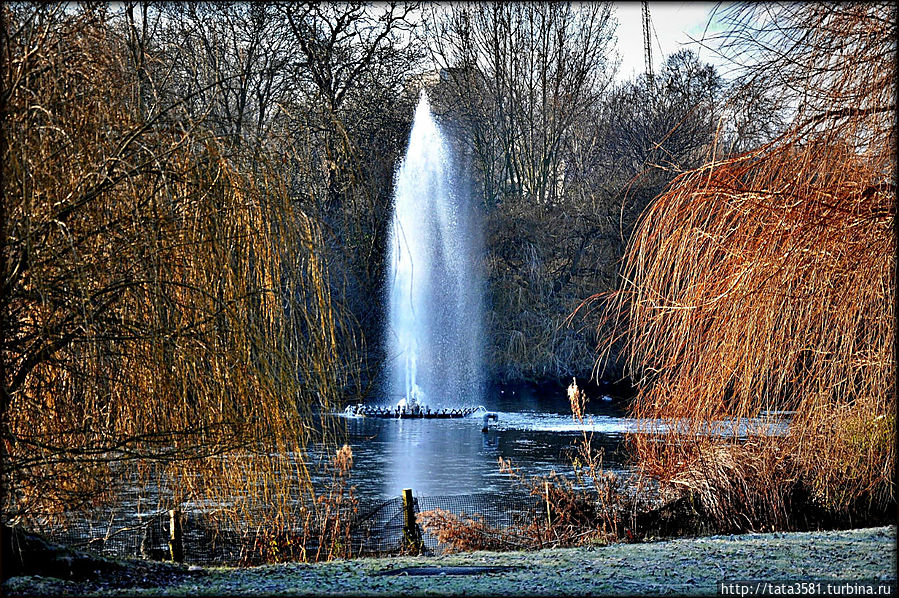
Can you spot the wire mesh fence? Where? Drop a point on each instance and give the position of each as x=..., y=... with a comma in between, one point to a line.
x=150, y=537
x=377, y=527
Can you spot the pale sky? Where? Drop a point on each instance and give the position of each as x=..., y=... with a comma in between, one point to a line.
x=674, y=23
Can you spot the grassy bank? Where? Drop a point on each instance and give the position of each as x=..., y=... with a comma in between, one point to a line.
x=683, y=566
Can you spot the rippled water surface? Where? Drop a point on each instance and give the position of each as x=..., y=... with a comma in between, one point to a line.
x=453, y=456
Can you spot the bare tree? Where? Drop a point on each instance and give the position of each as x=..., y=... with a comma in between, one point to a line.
x=338, y=43
x=232, y=61
x=516, y=84
x=521, y=75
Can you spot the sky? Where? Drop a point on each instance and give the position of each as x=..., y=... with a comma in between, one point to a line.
x=674, y=23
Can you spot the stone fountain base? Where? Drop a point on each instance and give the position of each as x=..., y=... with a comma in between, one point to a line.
x=409, y=412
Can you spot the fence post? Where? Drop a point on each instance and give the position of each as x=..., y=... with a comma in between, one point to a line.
x=176, y=541
x=145, y=531
x=411, y=537
x=549, y=517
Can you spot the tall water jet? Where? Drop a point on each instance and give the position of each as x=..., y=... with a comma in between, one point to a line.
x=434, y=287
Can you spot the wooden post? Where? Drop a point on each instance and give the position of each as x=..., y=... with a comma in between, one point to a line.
x=411, y=538
x=549, y=517
x=144, y=532
x=176, y=541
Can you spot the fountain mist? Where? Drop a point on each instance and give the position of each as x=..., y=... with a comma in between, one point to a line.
x=434, y=287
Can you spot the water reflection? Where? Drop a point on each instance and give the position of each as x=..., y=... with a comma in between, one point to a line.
x=454, y=456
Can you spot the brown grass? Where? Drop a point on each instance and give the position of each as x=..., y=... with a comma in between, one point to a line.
x=319, y=529
x=465, y=533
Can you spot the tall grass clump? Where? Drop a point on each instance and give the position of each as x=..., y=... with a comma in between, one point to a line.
x=758, y=291
x=166, y=314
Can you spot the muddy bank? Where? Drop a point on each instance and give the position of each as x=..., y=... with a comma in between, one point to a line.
x=682, y=566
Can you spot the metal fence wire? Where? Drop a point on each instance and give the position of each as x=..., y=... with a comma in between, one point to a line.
x=148, y=537
x=376, y=529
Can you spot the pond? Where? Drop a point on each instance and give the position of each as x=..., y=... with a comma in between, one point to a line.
x=535, y=431
x=436, y=457
x=448, y=464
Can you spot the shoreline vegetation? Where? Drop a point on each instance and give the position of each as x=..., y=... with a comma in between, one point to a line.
x=194, y=230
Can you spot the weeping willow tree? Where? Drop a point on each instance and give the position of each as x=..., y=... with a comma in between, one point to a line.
x=166, y=314
x=764, y=283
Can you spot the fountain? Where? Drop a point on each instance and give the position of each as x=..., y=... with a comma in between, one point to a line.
x=434, y=286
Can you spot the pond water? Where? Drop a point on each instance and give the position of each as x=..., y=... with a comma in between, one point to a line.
x=434, y=457
x=537, y=433
x=438, y=457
